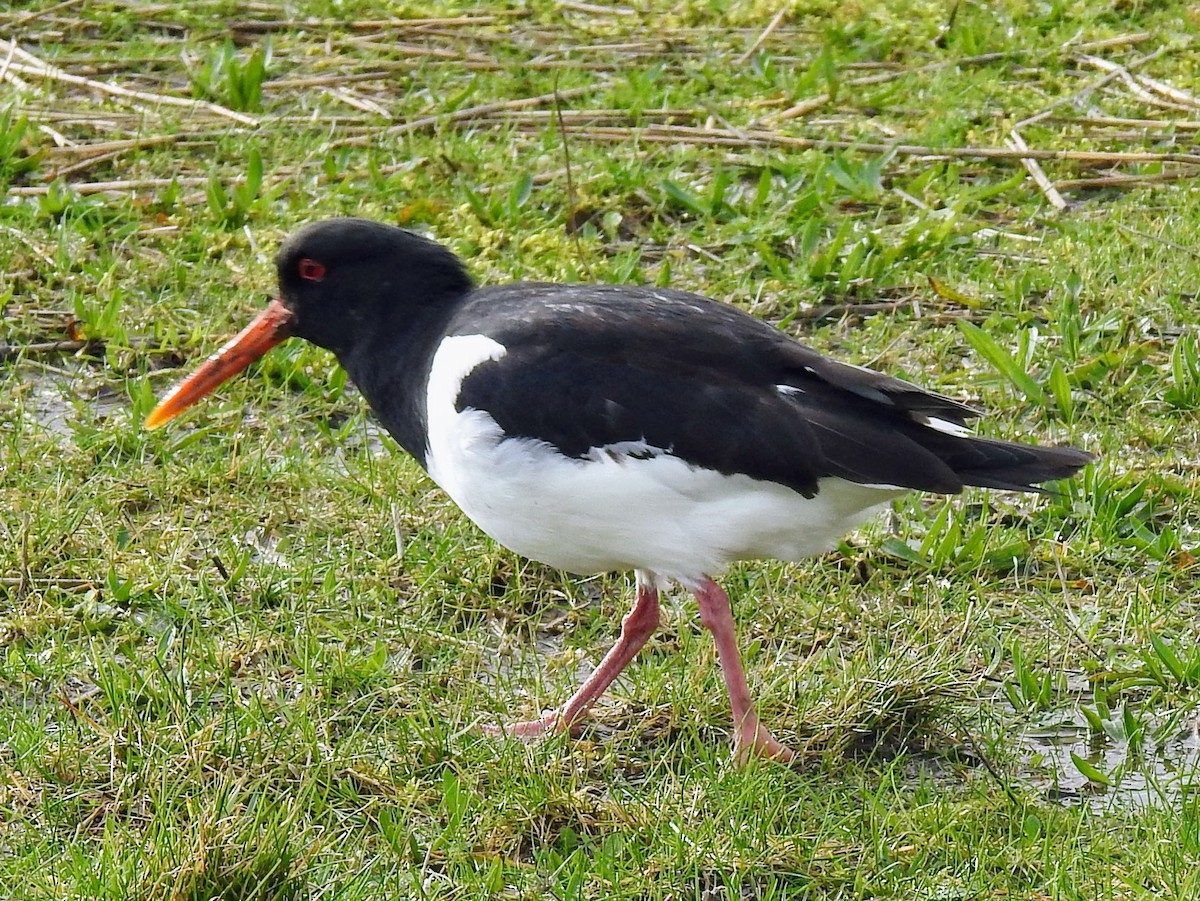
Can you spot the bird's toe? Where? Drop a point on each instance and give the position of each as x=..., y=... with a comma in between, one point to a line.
x=758, y=741
x=547, y=724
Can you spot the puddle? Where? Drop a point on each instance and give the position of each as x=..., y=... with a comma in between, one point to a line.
x=56, y=397
x=1161, y=772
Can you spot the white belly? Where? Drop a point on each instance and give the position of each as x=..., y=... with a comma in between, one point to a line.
x=613, y=511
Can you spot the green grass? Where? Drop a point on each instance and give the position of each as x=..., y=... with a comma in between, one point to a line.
x=245, y=656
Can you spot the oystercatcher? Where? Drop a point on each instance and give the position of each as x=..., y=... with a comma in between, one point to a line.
x=605, y=427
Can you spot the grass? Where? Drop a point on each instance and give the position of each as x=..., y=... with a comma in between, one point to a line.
x=244, y=656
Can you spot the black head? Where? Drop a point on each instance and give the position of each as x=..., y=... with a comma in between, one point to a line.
x=343, y=279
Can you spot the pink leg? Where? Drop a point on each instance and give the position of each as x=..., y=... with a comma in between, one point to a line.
x=636, y=628
x=750, y=737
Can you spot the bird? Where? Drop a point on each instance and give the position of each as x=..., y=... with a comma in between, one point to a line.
x=599, y=428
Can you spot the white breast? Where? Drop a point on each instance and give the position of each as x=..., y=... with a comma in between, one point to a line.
x=624, y=506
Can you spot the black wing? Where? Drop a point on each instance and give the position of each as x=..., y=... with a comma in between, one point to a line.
x=588, y=367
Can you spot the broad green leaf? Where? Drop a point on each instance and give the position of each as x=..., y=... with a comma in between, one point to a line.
x=988, y=348
x=1093, y=773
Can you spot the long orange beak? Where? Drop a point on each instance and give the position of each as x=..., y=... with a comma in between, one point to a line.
x=270, y=327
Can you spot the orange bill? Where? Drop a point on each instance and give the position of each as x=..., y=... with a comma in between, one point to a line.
x=270, y=327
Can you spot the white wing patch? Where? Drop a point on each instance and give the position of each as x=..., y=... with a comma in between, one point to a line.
x=625, y=450
x=945, y=426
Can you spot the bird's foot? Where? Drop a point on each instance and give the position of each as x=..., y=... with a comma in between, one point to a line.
x=756, y=740
x=547, y=724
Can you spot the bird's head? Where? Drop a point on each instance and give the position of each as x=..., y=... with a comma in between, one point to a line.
x=341, y=281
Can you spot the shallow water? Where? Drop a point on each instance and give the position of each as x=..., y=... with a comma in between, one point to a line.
x=53, y=396
x=1161, y=772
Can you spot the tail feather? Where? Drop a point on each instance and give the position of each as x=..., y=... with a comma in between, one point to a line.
x=876, y=429
x=1008, y=465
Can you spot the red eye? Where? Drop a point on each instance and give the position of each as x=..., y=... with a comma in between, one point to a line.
x=310, y=270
